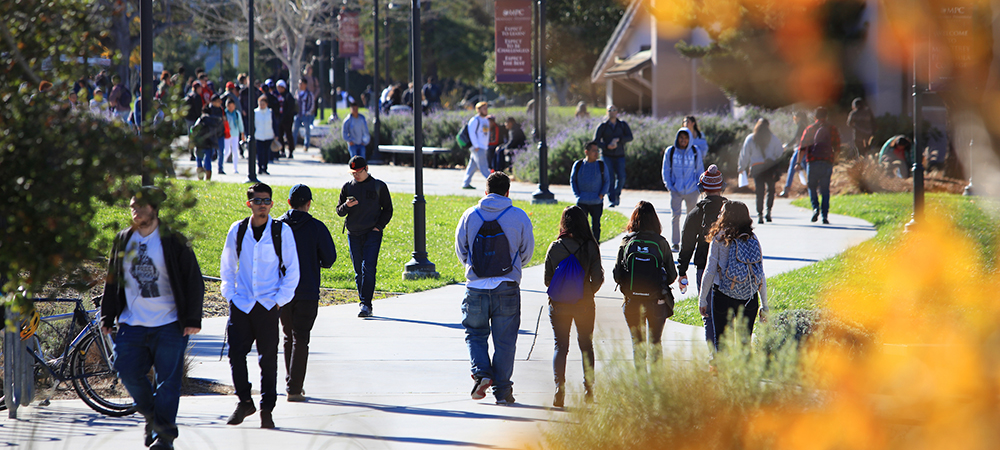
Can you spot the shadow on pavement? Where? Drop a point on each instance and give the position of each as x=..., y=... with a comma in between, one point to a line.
x=400, y=439
x=398, y=409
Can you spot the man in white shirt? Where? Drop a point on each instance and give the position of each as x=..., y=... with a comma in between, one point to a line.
x=259, y=271
x=479, y=134
x=154, y=291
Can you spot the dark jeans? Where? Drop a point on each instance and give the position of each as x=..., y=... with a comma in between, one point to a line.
x=498, y=312
x=644, y=316
x=205, y=157
x=762, y=183
x=364, y=254
x=137, y=349
x=724, y=310
x=286, y=137
x=562, y=316
x=261, y=325
x=499, y=161
x=297, y=319
x=263, y=154
x=819, y=173
x=616, y=171
x=595, y=212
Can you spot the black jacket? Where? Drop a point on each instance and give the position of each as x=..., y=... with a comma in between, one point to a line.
x=288, y=107
x=207, y=131
x=374, y=208
x=182, y=268
x=193, y=102
x=315, y=248
x=606, y=132
x=696, y=226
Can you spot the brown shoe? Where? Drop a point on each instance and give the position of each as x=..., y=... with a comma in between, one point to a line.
x=243, y=409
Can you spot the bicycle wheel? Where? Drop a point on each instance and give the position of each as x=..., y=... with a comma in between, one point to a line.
x=95, y=381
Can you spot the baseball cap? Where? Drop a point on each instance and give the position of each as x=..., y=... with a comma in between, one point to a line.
x=230, y=85
x=281, y=83
x=358, y=164
x=301, y=193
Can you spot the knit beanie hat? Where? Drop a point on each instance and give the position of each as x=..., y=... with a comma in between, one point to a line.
x=711, y=180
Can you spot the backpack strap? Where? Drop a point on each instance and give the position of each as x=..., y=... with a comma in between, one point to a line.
x=241, y=232
x=670, y=156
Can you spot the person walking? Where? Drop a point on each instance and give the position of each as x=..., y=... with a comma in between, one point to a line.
x=315, y=249
x=734, y=281
x=307, y=112
x=759, y=159
x=154, y=293
x=260, y=272
x=368, y=207
x=611, y=136
x=819, y=147
x=645, y=269
x=355, y=132
x=286, y=111
x=801, y=121
x=497, y=136
x=861, y=120
x=120, y=100
x=492, y=303
x=206, y=132
x=263, y=134
x=236, y=134
x=697, y=138
x=575, y=245
x=697, y=225
x=682, y=167
x=590, y=182
x=479, y=134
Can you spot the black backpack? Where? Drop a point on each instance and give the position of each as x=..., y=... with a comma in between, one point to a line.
x=643, y=268
x=490, y=249
x=275, y=240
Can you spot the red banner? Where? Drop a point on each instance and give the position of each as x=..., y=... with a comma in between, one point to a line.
x=512, y=22
x=349, y=34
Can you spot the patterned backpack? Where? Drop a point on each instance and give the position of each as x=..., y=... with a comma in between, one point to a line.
x=745, y=273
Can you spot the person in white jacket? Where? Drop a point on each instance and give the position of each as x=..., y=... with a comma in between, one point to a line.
x=479, y=134
x=263, y=133
x=759, y=158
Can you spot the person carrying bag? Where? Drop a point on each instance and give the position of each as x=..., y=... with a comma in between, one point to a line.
x=759, y=158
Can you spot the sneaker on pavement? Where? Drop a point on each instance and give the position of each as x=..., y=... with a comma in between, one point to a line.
x=783, y=193
x=825, y=221
x=506, y=401
x=266, y=421
x=468, y=186
x=162, y=443
x=365, y=311
x=480, y=387
x=676, y=248
x=296, y=397
x=243, y=409
x=815, y=216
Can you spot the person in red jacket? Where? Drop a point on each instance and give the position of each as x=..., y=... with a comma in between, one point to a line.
x=819, y=147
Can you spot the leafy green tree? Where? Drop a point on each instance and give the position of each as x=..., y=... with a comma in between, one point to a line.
x=577, y=31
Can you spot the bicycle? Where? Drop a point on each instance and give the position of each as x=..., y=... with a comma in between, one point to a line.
x=86, y=361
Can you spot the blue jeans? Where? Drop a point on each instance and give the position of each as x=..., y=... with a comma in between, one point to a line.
x=364, y=254
x=356, y=150
x=616, y=171
x=496, y=311
x=137, y=349
x=791, y=169
x=205, y=157
x=303, y=120
x=562, y=316
x=819, y=173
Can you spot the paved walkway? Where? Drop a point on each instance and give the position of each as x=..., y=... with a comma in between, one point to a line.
x=400, y=380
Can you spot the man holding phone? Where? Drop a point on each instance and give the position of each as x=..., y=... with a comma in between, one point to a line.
x=366, y=203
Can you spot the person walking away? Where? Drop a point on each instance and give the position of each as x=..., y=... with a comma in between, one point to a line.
x=496, y=139
x=263, y=134
x=206, y=132
x=492, y=303
x=236, y=134
x=154, y=292
x=217, y=110
x=801, y=121
x=431, y=94
x=734, y=281
x=355, y=132
x=307, y=112
x=819, y=147
x=479, y=134
x=759, y=159
x=573, y=274
x=612, y=135
x=644, y=270
x=120, y=99
x=260, y=272
x=681, y=170
x=697, y=225
x=368, y=207
x=286, y=112
x=697, y=138
x=590, y=182
x=315, y=249
x=861, y=120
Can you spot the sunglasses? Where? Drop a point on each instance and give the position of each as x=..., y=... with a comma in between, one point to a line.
x=260, y=201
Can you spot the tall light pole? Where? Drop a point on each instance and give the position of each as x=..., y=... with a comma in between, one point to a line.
x=251, y=101
x=377, y=125
x=146, y=83
x=542, y=194
x=419, y=266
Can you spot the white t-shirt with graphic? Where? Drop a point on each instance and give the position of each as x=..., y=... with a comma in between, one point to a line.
x=148, y=295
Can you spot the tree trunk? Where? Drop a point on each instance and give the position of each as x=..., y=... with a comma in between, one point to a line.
x=561, y=86
x=123, y=44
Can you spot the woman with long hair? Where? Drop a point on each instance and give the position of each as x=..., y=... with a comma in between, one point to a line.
x=648, y=301
x=575, y=239
x=697, y=138
x=733, y=242
x=759, y=158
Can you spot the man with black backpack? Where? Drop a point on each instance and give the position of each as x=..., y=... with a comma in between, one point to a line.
x=207, y=131
x=696, y=227
x=260, y=272
x=493, y=240
x=590, y=181
x=819, y=147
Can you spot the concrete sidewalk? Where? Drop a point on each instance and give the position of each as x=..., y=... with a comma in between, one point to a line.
x=401, y=379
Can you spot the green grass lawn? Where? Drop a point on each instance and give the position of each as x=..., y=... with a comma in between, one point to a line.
x=221, y=204
x=975, y=217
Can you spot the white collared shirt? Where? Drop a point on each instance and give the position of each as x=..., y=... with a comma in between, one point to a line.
x=255, y=277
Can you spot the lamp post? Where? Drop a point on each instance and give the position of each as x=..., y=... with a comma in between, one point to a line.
x=146, y=73
x=419, y=266
x=377, y=123
x=388, y=44
x=251, y=101
x=918, y=164
x=542, y=194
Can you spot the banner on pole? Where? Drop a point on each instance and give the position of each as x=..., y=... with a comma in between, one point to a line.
x=349, y=34
x=512, y=22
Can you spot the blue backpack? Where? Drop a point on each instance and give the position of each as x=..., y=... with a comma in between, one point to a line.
x=745, y=273
x=567, y=280
x=490, y=249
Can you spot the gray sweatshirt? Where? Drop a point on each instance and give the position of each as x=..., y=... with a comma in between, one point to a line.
x=516, y=226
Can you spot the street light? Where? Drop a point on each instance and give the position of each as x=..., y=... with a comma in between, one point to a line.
x=251, y=101
x=542, y=195
x=375, y=89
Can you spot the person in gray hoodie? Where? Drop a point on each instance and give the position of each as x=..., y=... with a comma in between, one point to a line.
x=493, y=295
x=682, y=166
x=590, y=181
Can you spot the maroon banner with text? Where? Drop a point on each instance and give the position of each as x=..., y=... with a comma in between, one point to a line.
x=512, y=22
x=349, y=34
